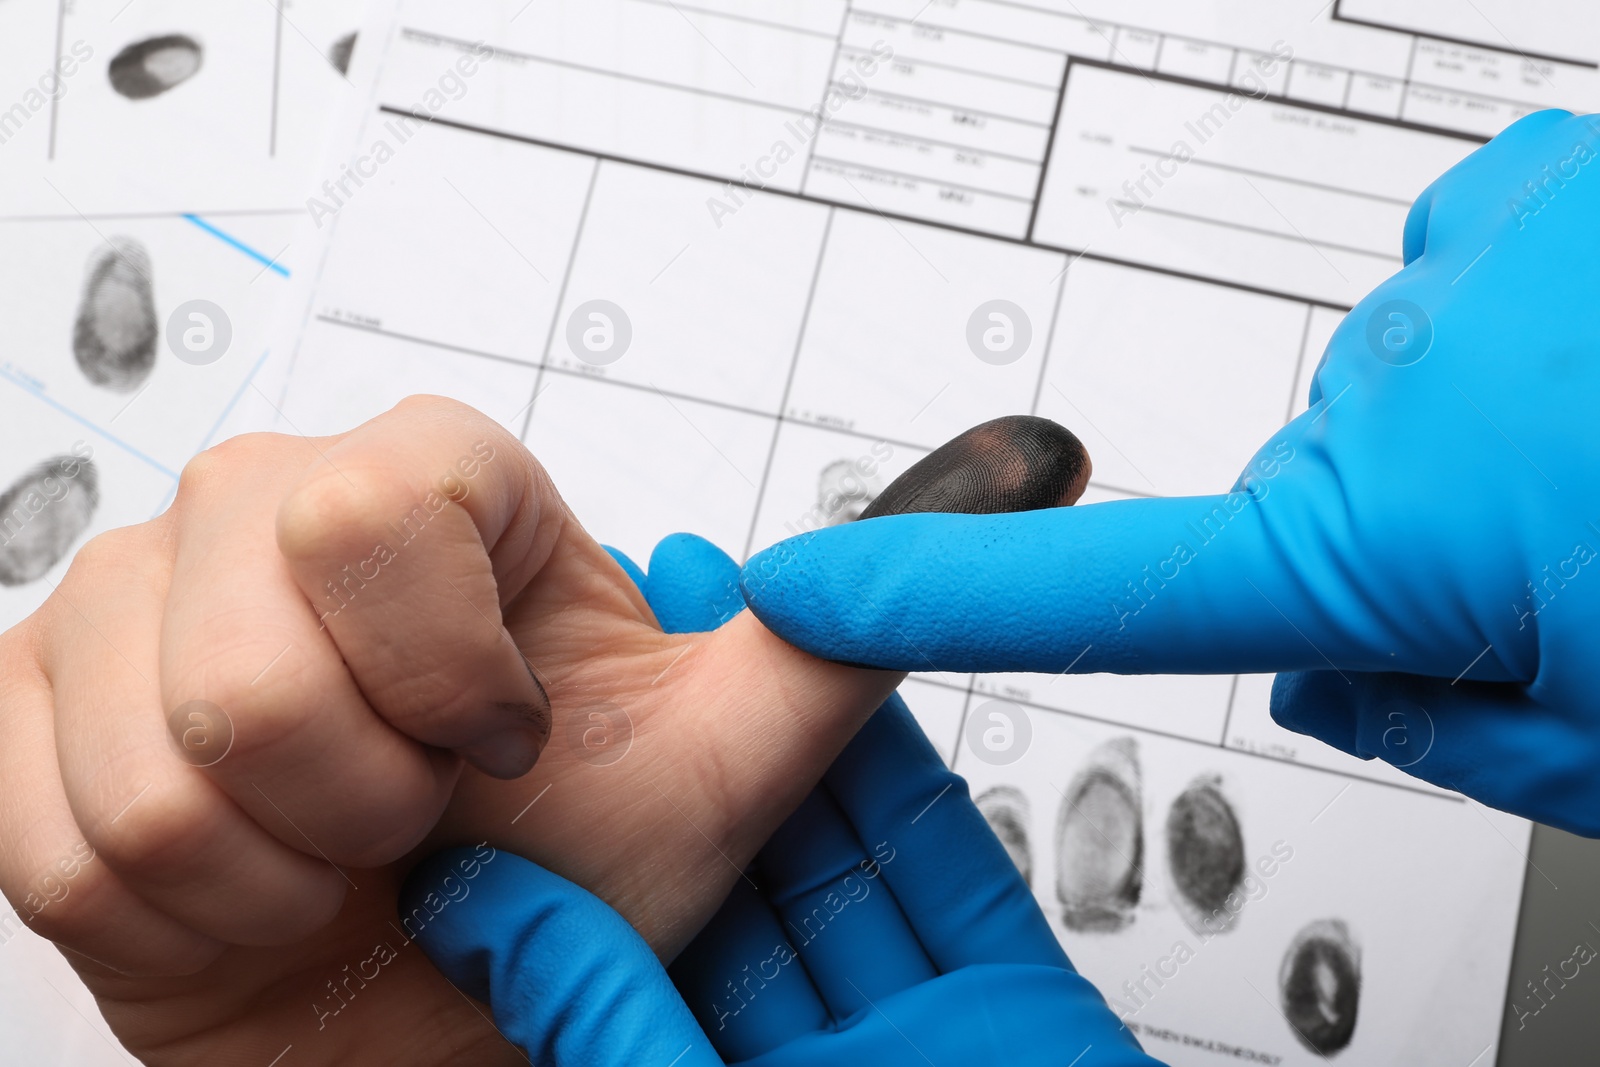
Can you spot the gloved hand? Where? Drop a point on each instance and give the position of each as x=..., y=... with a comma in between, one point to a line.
x=882, y=924
x=1416, y=551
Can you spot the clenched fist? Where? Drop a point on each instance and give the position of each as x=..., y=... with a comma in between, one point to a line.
x=228, y=729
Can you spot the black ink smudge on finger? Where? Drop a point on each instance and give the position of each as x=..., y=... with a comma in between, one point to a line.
x=1016, y=463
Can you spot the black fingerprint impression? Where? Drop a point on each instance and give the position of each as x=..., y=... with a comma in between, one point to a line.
x=1205, y=852
x=1006, y=810
x=1320, y=984
x=114, y=337
x=1100, y=840
x=151, y=67
x=42, y=514
x=340, y=52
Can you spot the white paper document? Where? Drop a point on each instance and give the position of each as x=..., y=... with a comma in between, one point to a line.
x=730, y=267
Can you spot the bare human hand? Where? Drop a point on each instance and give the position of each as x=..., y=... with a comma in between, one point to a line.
x=228, y=730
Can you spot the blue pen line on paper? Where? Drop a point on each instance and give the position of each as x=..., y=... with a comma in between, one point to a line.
x=227, y=238
x=29, y=387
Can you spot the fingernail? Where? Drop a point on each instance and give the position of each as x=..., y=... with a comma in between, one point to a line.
x=510, y=753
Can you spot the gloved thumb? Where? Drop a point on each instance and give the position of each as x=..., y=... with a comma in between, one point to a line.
x=570, y=982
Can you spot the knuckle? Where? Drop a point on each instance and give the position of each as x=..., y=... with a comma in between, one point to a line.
x=429, y=405
x=62, y=922
x=264, y=719
x=219, y=472
x=20, y=651
x=155, y=834
x=65, y=910
x=388, y=838
x=122, y=559
x=329, y=515
x=105, y=552
x=249, y=688
x=213, y=466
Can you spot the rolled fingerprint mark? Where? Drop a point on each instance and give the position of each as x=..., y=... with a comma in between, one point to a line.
x=1007, y=811
x=149, y=68
x=340, y=52
x=43, y=514
x=844, y=491
x=114, y=338
x=1100, y=840
x=1320, y=983
x=1205, y=852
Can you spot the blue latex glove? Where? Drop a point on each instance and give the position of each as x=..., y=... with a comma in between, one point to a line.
x=890, y=926
x=1416, y=551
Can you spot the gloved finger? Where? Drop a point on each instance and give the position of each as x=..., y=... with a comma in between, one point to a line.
x=1414, y=237
x=744, y=982
x=1025, y=584
x=1489, y=740
x=963, y=897
x=1013, y=464
x=569, y=980
x=1426, y=215
x=1019, y=1016
x=634, y=572
x=692, y=586
x=827, y=885
x=1192, y=585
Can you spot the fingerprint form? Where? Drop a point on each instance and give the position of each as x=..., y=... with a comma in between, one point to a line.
x=43, y=514
x=1205, y=852
x=1320, y=982
x=149, y=68
x=341, y=51
x=115, y=336
x=1007, y=811
x=1100, y=840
